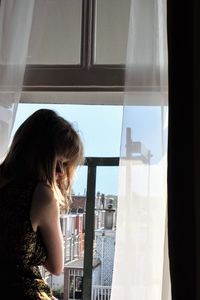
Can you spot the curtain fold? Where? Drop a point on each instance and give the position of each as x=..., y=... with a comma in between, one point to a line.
x=141, y=267
x=15, y=27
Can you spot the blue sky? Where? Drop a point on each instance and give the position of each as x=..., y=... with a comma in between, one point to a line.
x=100, y=130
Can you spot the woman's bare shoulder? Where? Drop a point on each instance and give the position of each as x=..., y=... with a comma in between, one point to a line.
x=44, y=193
x=43, y=204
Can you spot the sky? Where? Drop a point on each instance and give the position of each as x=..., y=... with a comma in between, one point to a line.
x=100, y=129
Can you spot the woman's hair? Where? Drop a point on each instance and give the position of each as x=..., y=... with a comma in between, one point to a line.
x=42, y=138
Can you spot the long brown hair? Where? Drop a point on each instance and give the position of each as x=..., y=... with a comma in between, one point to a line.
x=37, y=143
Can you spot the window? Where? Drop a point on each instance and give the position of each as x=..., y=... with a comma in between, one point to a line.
x=77, y=63
x=78, y=54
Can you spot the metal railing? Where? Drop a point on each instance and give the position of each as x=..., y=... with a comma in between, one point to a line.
x=101, y=292
x=72, y=247
x=92, y=163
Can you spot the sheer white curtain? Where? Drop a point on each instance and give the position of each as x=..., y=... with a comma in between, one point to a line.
x=141, y=258
x=15, y=27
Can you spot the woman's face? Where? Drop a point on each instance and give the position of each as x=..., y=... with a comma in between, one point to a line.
x=61, y=165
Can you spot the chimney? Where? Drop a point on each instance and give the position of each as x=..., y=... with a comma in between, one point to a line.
x=109, y=217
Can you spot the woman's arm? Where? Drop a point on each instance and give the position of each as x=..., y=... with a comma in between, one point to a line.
x=45, y=215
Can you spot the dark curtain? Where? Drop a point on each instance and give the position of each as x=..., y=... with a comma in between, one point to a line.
x=183, y=25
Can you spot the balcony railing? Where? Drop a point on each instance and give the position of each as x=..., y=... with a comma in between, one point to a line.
x=72, y=247
x=101, y=292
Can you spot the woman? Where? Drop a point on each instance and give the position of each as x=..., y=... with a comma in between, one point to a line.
x=35, y=182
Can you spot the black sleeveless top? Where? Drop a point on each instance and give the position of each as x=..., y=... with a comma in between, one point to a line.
x=21, y=248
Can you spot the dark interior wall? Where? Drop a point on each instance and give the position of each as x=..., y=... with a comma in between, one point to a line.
x=183, y=23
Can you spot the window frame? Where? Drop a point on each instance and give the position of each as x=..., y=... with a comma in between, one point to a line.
x=85, y=76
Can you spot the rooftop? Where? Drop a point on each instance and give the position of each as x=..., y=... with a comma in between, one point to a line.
x=78, y=263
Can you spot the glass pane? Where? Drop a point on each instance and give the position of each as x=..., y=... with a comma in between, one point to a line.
x=56, y=32
x=112, y=20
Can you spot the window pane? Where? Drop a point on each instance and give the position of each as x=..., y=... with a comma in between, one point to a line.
x=56, y=32
x=112, y=19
